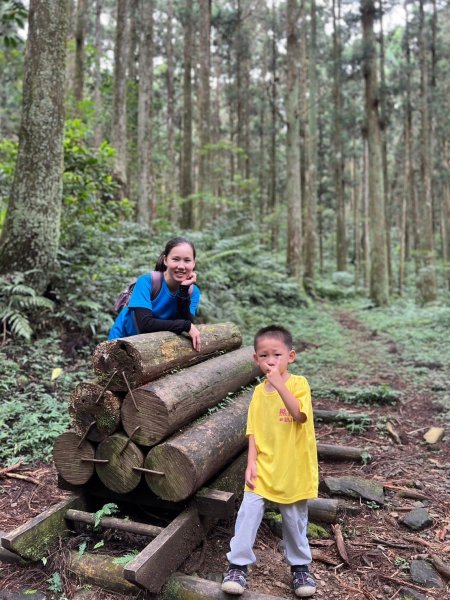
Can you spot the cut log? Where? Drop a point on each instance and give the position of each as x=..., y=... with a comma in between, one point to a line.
x=91, y=403
x=101, y=570
x=73, y=458
x=146, y=357
x=157, y=561
x=188, y=460
x=187, y=587
x=161, y=407
x=120, y=474
x=32, y=539
x=81, y=516
x=328, y=416
x=335, y=452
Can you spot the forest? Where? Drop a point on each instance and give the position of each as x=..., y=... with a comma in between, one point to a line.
x=303, y=147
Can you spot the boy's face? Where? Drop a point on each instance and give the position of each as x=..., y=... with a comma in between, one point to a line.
x=271, y=353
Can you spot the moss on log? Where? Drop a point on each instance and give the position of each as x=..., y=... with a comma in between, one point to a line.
x=146, y=357
x=167, y=404
x=187, y=587
x=95, y=410
x=189, y=459
x=101, y=570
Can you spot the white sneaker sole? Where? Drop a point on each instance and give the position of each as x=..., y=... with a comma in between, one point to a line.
x=232, y=587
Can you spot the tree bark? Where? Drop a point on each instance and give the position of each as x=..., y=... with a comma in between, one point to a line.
x=119, y=124
x=102, y=571
x=81, y=516
x=94, y=411
x=273, y=133
x=379, y=288
x=341, y=237
x=293, y=183
x=173, y=401
x=191, y=458
x=186, y=187
x=146, y=357
x=80, y=31
x=311, y=173
x=98, y=133
x=334, y=452
x=171, y=113
x=187, y=587
x=204, y=121
x=426, y=281
x=30, y=235
x=121, y=473
x=146, y=203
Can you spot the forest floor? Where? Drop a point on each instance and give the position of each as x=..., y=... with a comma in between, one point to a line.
x=380, y=548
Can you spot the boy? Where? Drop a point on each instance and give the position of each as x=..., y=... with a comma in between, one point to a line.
x=281, y=464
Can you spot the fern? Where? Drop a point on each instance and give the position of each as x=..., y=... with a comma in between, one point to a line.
x=108, y=509
x=18, y=302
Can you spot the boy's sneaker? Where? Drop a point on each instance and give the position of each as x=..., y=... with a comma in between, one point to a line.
x=303, y=583
x=235, y=580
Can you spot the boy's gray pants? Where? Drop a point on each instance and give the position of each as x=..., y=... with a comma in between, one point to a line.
x=294, y=526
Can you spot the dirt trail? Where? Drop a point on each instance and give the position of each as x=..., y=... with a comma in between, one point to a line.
x=380, y=549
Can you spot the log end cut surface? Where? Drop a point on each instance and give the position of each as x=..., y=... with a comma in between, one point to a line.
x=148, y=420
x=88, y=404
x=119, y=474
x=73, y=460
x=171, y=462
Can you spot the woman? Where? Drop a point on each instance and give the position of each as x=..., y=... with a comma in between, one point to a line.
x=174, y=306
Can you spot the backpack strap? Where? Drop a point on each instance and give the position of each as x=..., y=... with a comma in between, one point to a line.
x=157, y=279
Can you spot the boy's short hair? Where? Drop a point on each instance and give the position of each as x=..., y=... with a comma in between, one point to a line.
x=274, y=331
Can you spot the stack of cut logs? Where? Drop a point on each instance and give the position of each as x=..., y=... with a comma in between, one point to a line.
x=147, y=417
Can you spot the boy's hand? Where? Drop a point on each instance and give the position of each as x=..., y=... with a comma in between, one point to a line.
x=250, y=475
x=274, y=377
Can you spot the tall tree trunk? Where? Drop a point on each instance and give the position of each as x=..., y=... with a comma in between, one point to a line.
x=366, y=217
x=293, y=184
x=446, y=220
x=379, y=290
x=80, y=32
x=242, y=84
x=273, y=134
x=98, y=132
x=426, y=282
x=204, y=121
x=146, y=203
x=341, y=238
x=119, y=125
x=186, y=187
x=170, y=112
x=311, y=191
x=30, y=235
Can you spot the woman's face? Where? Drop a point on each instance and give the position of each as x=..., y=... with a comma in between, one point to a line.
x=180, y=263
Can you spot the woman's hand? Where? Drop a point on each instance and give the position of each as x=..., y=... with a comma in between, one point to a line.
x=194, y=334
x=250, y=475
x=190, y=279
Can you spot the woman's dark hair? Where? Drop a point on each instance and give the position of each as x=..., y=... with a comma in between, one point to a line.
x=171, y=244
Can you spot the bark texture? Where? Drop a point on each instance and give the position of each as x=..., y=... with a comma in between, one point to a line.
x=191, y=458
x=30, y=236
x=173, y=401
x=146, y=357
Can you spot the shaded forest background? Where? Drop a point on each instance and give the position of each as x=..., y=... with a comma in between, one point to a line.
x=301, y=145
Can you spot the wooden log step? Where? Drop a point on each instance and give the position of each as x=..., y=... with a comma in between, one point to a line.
x=73, y=458
x=121, y=471
x=187, y=587
x=161, y=407
x=329, y=416
x=32, y=539
x=81, y=516
x=194, y=456
x=153, y=566
x=146, y=357
x=336, y=452
x=89, y=403
x=102, y=571
x=216, y=504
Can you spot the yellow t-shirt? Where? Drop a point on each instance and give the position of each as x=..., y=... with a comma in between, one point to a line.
x=286, y=463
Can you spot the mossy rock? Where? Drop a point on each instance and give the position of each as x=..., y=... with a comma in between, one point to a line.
x=274, y=521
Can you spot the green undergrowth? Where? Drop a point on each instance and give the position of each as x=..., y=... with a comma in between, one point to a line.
x=241, y=281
